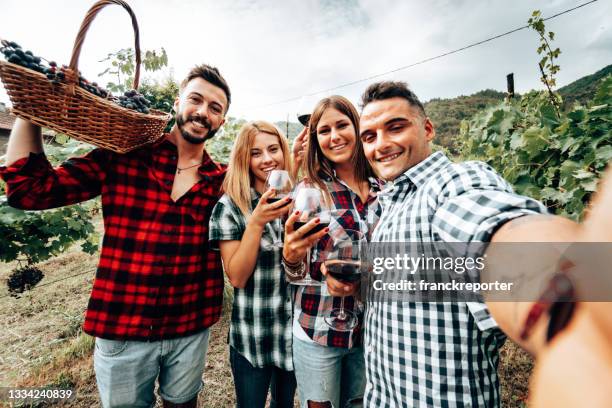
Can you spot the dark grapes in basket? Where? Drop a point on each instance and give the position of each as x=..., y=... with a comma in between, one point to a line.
x=134, y=100
x=24, y=278
x=14, y=54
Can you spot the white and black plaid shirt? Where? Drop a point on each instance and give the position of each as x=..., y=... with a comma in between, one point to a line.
x=438, y=354
x=261, y=315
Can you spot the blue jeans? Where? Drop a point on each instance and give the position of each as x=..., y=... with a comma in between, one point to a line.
x=126, y=370
x=252, y=384
x=329, y=374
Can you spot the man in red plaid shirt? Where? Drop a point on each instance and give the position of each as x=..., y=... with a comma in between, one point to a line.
x=158, y=286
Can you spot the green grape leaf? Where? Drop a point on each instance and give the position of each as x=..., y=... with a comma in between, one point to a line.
x=582, y=174
x=604, y=153
x=549, y=116
x=534, y=140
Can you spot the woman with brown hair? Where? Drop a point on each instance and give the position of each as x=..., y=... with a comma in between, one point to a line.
x=329, y=364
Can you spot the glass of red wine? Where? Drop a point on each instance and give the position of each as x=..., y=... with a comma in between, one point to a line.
x=303, y=111
x=310, y=203
x=280, y=181
x=344, y=260
x=303, y=118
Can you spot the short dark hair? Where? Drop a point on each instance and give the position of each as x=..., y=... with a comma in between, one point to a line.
x=209, y=74
x=391, y=89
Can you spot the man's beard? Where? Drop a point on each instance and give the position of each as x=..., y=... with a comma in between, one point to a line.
x=180, y=123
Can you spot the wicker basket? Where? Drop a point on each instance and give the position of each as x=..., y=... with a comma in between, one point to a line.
x=71, y=110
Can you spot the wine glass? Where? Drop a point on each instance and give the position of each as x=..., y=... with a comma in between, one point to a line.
x=310, y=203
x=303, y=118
x=344, y=260
x=280, y=181
x=303, y=111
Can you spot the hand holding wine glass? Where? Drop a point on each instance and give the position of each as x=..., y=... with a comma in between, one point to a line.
x=280, y=182
x=337, y=287
x=298, y=151
x=301, y=235
x=304, y=227
x=300, y=143
x=269, y=208
x=344, y=258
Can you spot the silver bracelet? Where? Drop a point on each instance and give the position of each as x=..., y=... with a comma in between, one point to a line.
x=293, y=272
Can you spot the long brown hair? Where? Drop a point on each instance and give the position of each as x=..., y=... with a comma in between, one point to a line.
x=316, y=162
x=238, y=179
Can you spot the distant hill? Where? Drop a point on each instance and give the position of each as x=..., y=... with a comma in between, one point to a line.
x=583, y=89
x=446, y=114
x=293, y=129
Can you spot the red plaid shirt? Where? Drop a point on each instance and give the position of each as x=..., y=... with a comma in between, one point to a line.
x=313, y=303
x=157, y=277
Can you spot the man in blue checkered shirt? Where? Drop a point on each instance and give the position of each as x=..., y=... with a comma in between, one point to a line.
x=442, y=354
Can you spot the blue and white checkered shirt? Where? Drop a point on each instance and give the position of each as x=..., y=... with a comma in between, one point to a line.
x=438, y=354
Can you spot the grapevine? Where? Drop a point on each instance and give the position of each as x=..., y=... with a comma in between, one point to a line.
x=557, y=160
x=547, y=65
x=555, y=157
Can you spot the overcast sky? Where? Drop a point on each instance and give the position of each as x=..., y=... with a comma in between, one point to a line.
x=272, y=50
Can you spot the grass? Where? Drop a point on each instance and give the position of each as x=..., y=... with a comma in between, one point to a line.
x=41, y=342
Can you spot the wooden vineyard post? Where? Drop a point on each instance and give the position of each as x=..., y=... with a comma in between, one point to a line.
x=510, y=85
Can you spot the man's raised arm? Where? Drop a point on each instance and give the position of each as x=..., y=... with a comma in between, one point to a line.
x=33, y=184
x=548, y=229
x=512, y=316
x=25, y=139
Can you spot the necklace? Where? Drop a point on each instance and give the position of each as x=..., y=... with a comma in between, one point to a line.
x=178, y=169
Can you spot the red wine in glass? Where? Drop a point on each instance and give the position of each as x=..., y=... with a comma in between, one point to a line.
x=278, y=197
x=281, y=182
x=319, y=227
x=343, y=261
x=304, y=118
x=310, y=203
x=345, y=270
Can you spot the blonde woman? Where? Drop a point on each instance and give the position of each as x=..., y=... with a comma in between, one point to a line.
x=260, y=332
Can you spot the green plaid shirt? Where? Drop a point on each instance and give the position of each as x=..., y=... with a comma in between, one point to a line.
x=261, y=315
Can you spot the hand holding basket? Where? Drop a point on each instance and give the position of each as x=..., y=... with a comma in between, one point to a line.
x=67, y=108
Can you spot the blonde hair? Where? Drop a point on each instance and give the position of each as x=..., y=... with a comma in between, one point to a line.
x=238, y=180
